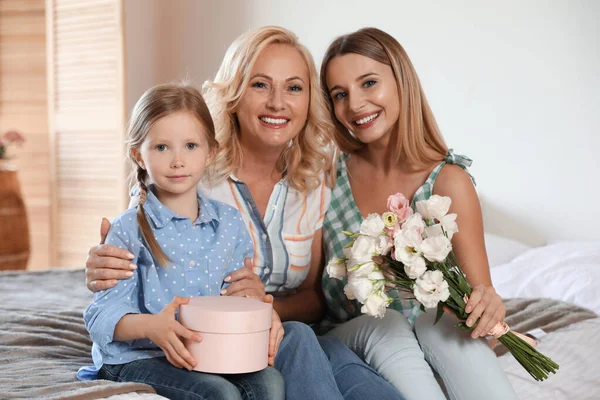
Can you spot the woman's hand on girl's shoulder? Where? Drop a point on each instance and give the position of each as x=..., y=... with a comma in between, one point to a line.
x=244, y=282
x=107, y=263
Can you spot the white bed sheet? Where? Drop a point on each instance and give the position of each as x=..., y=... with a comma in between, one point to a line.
x=568, y=271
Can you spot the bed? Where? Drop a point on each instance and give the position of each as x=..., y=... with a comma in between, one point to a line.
x=43, y=340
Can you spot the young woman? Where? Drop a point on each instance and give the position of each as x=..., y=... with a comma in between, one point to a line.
x=391, y=143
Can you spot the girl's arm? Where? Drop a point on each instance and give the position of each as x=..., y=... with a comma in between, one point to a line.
x=163, y=330
x=111, y=305
x=307, y=304
x=469, y=247
x=114, y=316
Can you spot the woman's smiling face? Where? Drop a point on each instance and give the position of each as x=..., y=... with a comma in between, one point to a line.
x=365, y=96
x=274, y=106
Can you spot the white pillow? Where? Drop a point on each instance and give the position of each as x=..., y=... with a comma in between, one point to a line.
x=568, y=271
x=501, y=250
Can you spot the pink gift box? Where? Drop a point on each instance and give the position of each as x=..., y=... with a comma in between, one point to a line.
x=234, y=330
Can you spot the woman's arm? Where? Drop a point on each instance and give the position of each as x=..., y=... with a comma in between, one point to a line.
x=469, y=247
x=308, y=303
x=107, y=263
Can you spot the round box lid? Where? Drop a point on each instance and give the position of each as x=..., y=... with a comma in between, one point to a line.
x=225, y=314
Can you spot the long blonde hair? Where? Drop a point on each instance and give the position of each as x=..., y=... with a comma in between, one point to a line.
x=311, y=151
x=417, y=129
x=156, y=103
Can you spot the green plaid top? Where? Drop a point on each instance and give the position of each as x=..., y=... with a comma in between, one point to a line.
x=343, y=215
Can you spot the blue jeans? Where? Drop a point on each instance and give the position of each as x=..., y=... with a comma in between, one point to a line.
x=407, y=357
x=324, y=368
x=177, y=383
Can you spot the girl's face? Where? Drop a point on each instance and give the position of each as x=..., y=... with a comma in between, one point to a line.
x=364, y=95
x=274, y=106
x=175, y=153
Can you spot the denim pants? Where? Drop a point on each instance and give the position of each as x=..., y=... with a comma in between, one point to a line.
x=405, y=356
x=312, y=368
x=178, y=383
x=324, y=368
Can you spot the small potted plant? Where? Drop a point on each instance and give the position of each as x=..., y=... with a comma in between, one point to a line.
x=9, y=138
x=14, y=230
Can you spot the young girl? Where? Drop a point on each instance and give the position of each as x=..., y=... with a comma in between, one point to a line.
x=184, y=245
x=391, y=144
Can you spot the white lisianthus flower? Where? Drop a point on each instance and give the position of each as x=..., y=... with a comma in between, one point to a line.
x=348, y=252
x=360, y=287
x=436, y=248
x=363, y=248
x=348, y=292
x=435, y=207
x=407, y=246
x=364, y=269
x=372, y=226
x=363, y=285
x=414, y=223
x=416, y=269
x=336, y=268
x=447, y=224
x=433, y=231
x=383, y=245
x=431, y=288
x=376, y=304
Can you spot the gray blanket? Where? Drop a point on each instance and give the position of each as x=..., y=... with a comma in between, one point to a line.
x=43, y=340
x=523, y=315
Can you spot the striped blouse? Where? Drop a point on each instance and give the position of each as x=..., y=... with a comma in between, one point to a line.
x=283, y=238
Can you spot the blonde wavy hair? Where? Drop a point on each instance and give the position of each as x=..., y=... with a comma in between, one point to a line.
x=417, y=128
x=311, y=151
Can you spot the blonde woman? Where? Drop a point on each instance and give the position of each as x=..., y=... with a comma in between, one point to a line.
x=273, y=164
x=391, y=144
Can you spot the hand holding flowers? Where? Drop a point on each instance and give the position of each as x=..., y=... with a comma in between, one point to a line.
x=412, y=251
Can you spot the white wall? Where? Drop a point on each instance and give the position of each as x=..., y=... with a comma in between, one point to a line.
x=514, y=85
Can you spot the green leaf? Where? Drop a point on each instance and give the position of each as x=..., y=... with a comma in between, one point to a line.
x=440, y=312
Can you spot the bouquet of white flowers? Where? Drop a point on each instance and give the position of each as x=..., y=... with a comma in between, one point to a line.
x=412, y=252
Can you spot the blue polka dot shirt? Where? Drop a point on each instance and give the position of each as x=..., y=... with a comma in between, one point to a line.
x=202, y=254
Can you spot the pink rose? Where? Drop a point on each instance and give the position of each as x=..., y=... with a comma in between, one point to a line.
x=399, y=205
x=13, y=136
